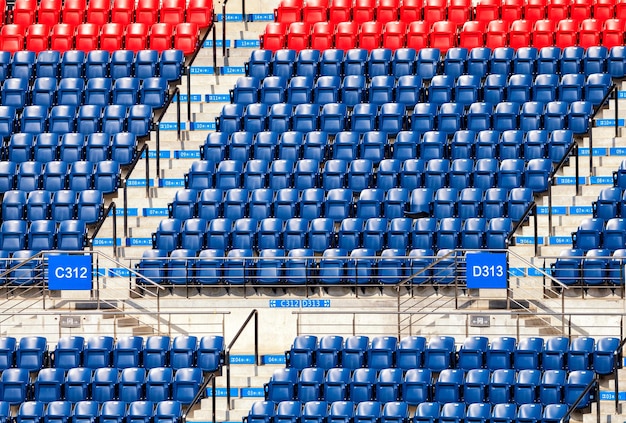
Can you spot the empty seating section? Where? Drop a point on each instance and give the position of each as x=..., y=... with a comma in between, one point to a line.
x=478, y=379
x=86, y=378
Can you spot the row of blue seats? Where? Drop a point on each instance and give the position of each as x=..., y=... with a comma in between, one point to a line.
x=391, y=118
x=357, y=175
x=428, y=62
x=526, y=386
x=409, y=90
x=64, y=120
x=264, y=203
x=400, y=412
x=595, y=267
x=378, y=147
x=168, y=64
x=70, y=235
x=319, y=234
x=298, y=267
x=594, y=233
x=442, y=352
x=48, y=92
x=102, y=384
x=65, y=149
x=33, y=353
x=91, y=411
x=103, y=176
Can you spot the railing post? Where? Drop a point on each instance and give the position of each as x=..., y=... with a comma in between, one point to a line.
x=536, y=229
x=114, y=230
x=224, y=28
x=577, y=170
x=590, y=146
x=550, y=205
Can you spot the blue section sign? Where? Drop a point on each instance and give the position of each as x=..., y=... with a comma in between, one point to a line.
x=486, y=270
x=68, y=272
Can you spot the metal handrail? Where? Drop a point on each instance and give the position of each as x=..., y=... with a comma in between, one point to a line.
x=200, y=395
x=254, y=313
x=243, y=15
x=617, y=363
x=587, y=389
x=188, y=63
x=157, y=126
x=531, y=209
x=112, y=208
x=144, y=150
x=604, y=100
x=573, y=147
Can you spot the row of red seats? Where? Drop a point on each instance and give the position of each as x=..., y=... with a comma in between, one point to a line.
x=443, y=34
x=110, y=37
x=100, y=12
x=457, y=11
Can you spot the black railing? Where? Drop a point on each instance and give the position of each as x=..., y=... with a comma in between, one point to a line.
x=617, y=364
x=200, y=395
x=188, y=63
x=112, y=209
x=157, y=126
x=144, y=150
x=530, y=210
x=253, y=314
x=573, y=148
x=592, y=384
x=243, y=15
x=605, y=99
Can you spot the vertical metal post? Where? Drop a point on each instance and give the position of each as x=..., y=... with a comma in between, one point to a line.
x=114, y=230
x=577, y=170
x=214, y=51
x=589, y=124
x=550, y=206
x=535, y=227
x=158, y=151
x=224, y=29
x=147, y=153
x=213, y=397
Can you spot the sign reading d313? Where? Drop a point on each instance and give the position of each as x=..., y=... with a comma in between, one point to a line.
x=68, y=272
x=486, y=270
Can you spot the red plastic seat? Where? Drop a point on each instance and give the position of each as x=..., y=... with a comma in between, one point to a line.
x=519, y=33
x=496, y=34
x=370, y=35
x=566, y=33
x=73, y=12
x=459, y=11
x=589, y=33
x=346, y=35
x=12, y=38
x=620, y=9
x=200, y=12
x=472, y=35
x=434, y=10
x=411, y=10
x=24, y=12
x=603, y=9
x=289, y=11
x=557, y=10
x=315, y=11
x=172, y=11
x=298, y=36
x=511, y=10
x=147, y=12
x=49, y=12
x=579, y=10
x=417, y=35
x=161, y=35
x=98, y=11
x=111, y=36
x=274, y=36
x=442, y=36
x=136, y=36
x=186, y=37
x=122, y=11
x=340, y=11
x=363, y=11
x=535, y=10
x=87, y=36
x=62, y=37
x=613, y=33
x=487, y=10
x=322, y=36
x=394, y=35
x=387, y=10
x=37, y=37
x=543, y=33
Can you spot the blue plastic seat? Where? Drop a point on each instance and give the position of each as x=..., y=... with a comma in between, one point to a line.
x=307, y=62
x=551, y=386
x=529, y=413
x=535, y=144
x=553, y=354
x=374, y=234
x=416, y=386
x=121, y=64
x=588, y=235
x=408, y=90
x=38, y=205
x=506, y=115
x=571, y=87
x=475, y=385
x=427, y=412
x=155, y=351
x=14, y=205
x=438, y=354
x=548, y=60
x=362, y=385
x=460, y=173
x=544, y=88
x=596, y=86
x=361, y=265
x=380, y=89
x=499, y=354
x=30, y=412
x=567, y=268
x=391, y=119
x=158, y=384
x=503, y=413
x=444, y=203
x=70, y=91
x=113, y=411
x=125, y=90
x=127, y=352
x=605, y=355
x=314, y=412
x=12, y=235
x=531, y=114
x=501, y=385
x=151, y=266
x=537, y=174
x=367, y=411
x=448, y=385
x=261, y=412
x=518, y=202
x=577, y=381
x=337, y=379
x=555, y=115
x=288, y=411
x=77, y=382
x=353, y=89
x=331, y=62
x=526, y=386
x=524, y=60
x=97, y=64
x=131, y=383
x=607, y=204
x=448, y=235
x=71, y=235
x=478, y=61
x=341, y=412
x=493, y=88
x=33, y=119
x=595, y=59
x=422, y=118
x=580, y=353
x=470, y=202
x=421, y=202
x=41, y=235
x=511, y=173
x=449, y=117
x=294, y=234
x=403, y=62
x=321, y=233
x=58, y=412
x=421, y=232
x=571, y=60
x=45, y=148
x=208, y=266
x=89, y=119
x=182, y=353
x=140, y=411
x=282, y=385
